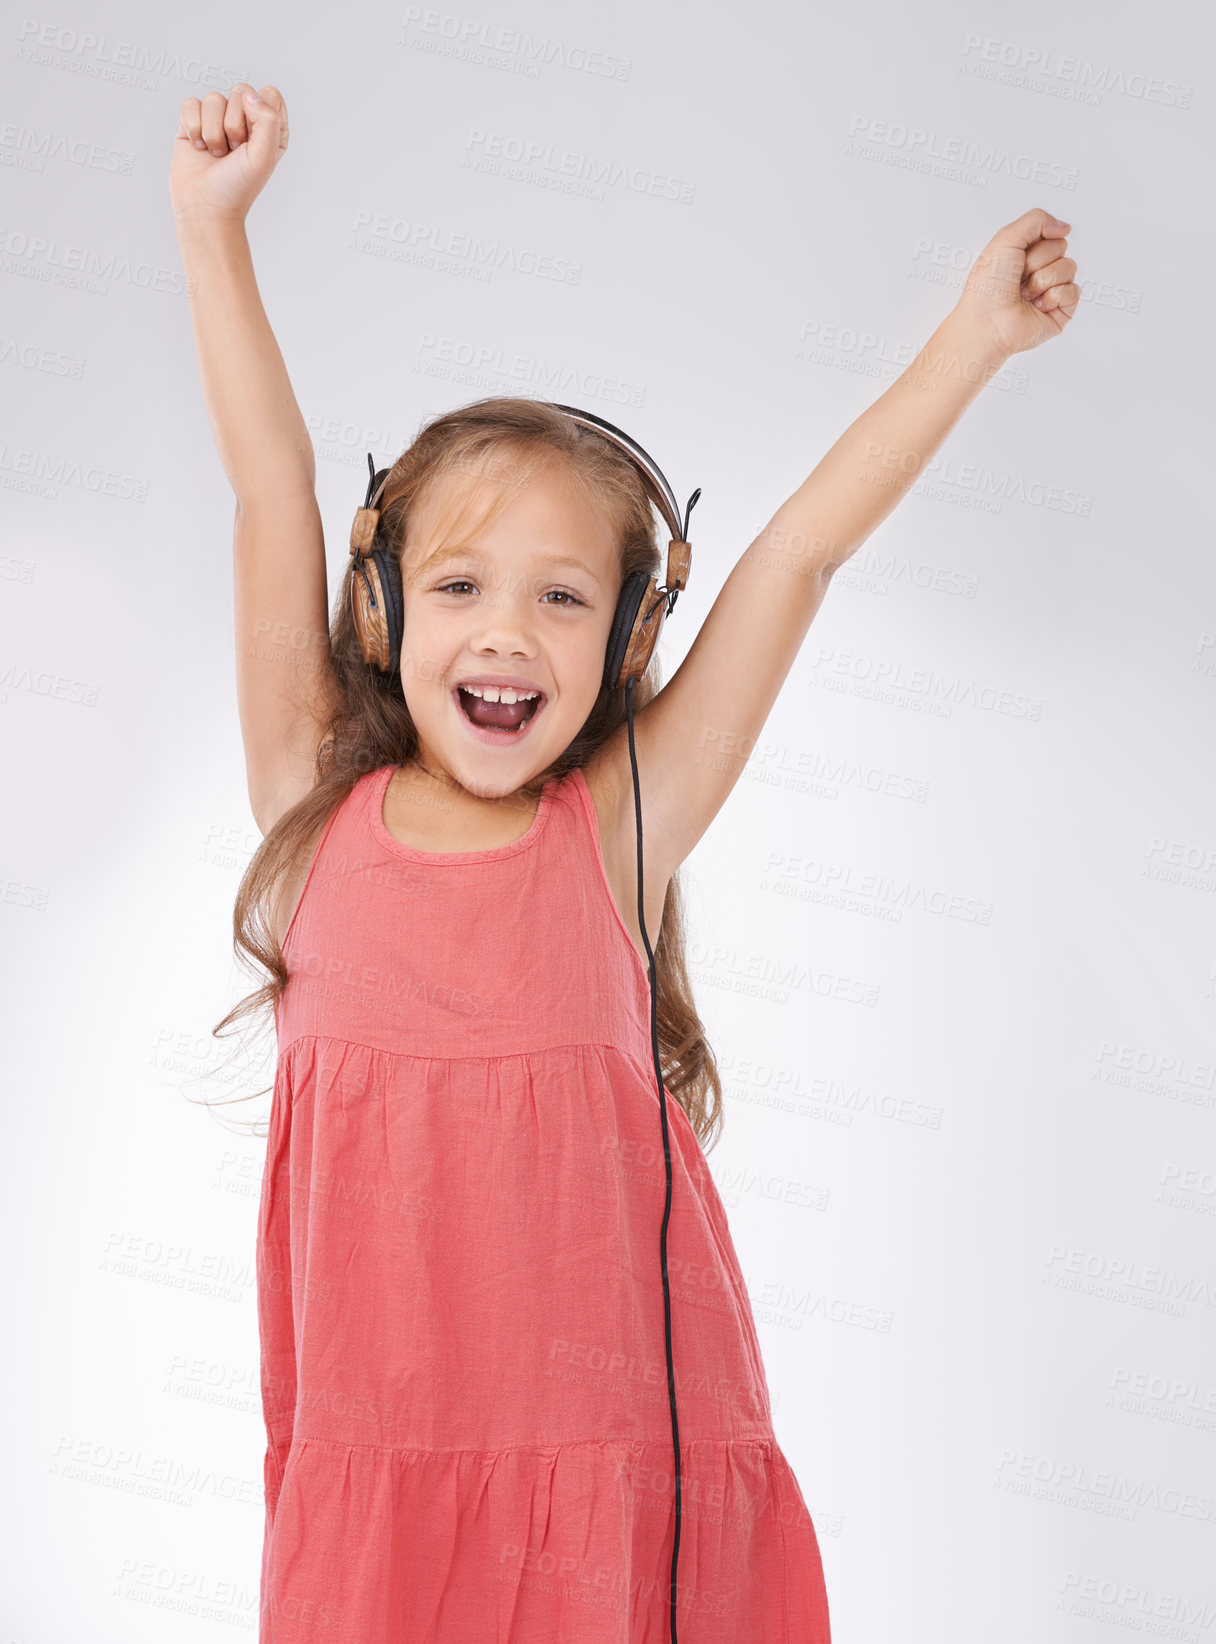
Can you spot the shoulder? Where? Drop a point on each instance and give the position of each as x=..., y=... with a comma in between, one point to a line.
x=609, y=777
x=288, y=889
x=603, y=776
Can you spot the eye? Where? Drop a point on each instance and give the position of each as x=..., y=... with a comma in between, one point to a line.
x=567, y=599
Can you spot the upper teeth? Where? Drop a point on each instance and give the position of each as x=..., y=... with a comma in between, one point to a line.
x=499, y=693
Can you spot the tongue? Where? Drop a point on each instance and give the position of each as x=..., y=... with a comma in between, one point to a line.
x=500, y=716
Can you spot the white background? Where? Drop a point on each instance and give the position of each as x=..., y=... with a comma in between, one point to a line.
x=969, y=1160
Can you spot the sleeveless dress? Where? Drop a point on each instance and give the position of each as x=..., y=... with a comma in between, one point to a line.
x=460, y=1297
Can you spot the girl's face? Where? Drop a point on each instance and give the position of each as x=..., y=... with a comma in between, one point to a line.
x=526, y=603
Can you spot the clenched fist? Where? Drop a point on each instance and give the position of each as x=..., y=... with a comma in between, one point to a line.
x=225, y=151
x=1022, y=289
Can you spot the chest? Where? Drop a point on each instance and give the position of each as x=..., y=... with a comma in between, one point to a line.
x=522, y=948
x=416, y=816
x=421, y=827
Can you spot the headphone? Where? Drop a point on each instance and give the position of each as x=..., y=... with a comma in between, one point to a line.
x=377, y=607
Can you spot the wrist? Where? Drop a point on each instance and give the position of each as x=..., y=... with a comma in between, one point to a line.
x=975, y=343
x=205, y=225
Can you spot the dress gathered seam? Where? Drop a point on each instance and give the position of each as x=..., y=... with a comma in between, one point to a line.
x=431, y=1056
x=538, y=1448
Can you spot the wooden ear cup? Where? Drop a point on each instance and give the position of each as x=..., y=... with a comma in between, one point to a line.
x=639, y=615
x=376, y=598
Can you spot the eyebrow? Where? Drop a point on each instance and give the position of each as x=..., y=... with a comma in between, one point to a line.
x=551, y=560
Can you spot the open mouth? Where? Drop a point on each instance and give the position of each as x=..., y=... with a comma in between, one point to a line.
x=507, y=719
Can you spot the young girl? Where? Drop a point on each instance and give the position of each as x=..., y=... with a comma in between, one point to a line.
x=463, y=1319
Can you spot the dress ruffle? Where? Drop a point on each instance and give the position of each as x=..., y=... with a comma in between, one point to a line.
x=538, y=1545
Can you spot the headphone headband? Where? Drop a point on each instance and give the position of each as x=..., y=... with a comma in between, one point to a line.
x=660, y=491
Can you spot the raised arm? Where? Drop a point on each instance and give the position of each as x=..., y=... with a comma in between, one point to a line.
x=225, y=150
x=694, y=738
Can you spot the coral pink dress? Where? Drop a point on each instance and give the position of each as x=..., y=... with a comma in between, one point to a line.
x=460, y=1299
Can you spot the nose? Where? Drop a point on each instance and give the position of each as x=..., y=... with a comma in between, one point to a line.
x=504, y=621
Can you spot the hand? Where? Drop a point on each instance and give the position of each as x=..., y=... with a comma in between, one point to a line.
x=1023, y=261
x=225, y=151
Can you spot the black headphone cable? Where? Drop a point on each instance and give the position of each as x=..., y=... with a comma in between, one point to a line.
x=654, y=1043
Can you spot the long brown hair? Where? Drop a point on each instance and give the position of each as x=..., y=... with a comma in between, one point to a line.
x=369, y=725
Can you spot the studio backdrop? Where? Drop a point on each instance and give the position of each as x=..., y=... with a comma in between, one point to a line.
x=951, y=936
